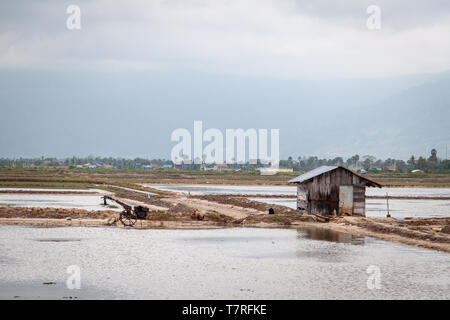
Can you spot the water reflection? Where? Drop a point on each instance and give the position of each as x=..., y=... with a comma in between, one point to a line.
x=229, y=263
x=328, y=246
x=57, y=240
x=212, y=239
x=328, y=235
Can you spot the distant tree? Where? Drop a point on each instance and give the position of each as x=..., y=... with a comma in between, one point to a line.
x=401, y=165
x=290, y=163
x=366, y=164
x=412, y=162
x=352, y=160
x=433, y=158
x=422, y=164
x=338, y=161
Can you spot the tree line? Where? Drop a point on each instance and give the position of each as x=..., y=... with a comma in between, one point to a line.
x=431, y=164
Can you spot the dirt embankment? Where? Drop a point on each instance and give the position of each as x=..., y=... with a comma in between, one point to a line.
x=432, y=233
x=289, y=196
x=175, y=210
x=78, y=217
x=54, y=213
x=243, y=202
x=180, y=203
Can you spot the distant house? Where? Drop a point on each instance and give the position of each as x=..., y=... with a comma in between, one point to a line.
x=147, y=167
x=167, y=166
x=204, y=167
x=332, y=189
x=220, y=166
x=391, y=168
x=268, y=170
x=356, y=168
x=92, y=166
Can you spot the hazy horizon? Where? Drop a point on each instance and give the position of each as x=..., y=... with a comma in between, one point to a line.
x=135, y=72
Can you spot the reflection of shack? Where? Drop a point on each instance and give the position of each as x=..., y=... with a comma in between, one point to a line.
x=329, y=189
x=328, y=235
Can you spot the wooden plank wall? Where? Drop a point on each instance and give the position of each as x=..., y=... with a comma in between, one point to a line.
x=359, y=201
x=321, y=194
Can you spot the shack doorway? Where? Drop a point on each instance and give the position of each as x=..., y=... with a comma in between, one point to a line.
x=345, y=200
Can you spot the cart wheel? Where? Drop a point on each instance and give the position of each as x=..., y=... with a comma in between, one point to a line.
x=127, y=218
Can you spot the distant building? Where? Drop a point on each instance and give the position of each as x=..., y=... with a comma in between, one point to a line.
x=332, y=189
x=220, y=166
x=147, y=167
x=356, y=168
x=391, y=168
x=273, y=170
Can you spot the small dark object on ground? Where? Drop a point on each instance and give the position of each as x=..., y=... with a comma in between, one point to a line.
x=271, y=211
x=197, y=216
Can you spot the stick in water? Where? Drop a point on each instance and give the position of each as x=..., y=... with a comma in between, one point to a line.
x=387, y=204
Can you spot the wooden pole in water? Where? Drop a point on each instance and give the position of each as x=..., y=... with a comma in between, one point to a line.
x=387, y=204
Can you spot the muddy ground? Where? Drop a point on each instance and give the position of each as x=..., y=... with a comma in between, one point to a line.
x=432, y=233
x=83, y=178
x=170, y=209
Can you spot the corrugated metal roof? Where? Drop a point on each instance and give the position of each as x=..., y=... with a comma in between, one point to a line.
x=321, y=170
x=313, y=173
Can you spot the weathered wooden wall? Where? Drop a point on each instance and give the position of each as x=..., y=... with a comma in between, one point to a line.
x=302, y=198
x=359, y=201
x=321, y=194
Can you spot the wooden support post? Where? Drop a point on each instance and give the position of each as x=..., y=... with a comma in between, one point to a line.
x=387, y=204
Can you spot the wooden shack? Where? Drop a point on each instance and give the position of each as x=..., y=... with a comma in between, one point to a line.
x=332, y=189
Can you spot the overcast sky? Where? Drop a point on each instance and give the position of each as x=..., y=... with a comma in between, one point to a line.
x=282, y=37
x=247, y=41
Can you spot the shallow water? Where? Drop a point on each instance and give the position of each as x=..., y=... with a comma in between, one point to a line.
x=409, y=192
x=233, y=263
x=86, y=202
x=55, y=190
x=399, y=209
x=376, y=208
x=291, y=190
x=226, y=189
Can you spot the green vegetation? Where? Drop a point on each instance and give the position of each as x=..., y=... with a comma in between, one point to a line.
x=101, y=178
x=102, y=166
x=370, y=164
